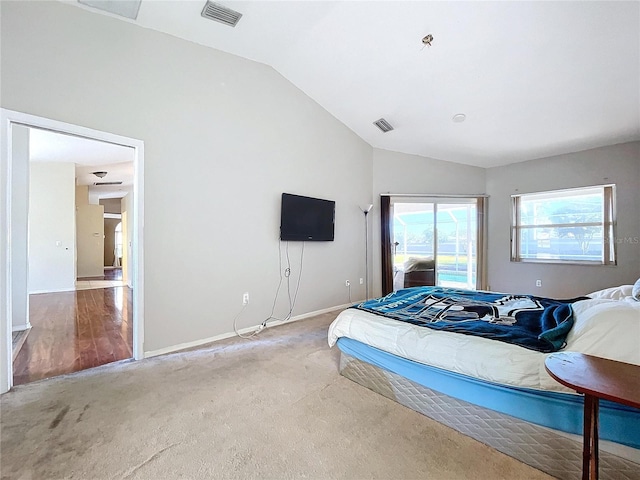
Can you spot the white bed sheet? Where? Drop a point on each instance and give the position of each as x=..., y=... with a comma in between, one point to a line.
x=603, y=327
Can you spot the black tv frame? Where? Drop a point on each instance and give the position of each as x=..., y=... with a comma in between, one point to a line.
x=306, y=219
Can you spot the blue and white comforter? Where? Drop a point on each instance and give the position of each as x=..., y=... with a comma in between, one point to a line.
x=536, y=323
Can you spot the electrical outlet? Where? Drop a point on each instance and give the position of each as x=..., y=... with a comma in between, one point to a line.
x=362, y=281
x=538, y=283
x=347, y=283
x=245, y=298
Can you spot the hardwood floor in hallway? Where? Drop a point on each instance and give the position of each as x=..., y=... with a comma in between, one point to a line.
x=73, y=331
x=113, y=273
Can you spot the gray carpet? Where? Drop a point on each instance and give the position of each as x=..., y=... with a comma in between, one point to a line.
x=273, y=407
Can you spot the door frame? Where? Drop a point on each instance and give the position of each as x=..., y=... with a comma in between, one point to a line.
x=386, y=200
x=8, y=118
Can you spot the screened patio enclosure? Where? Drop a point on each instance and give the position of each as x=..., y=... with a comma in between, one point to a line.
x=443, y=231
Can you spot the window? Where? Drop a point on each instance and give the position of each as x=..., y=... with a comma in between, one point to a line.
x=565, y=226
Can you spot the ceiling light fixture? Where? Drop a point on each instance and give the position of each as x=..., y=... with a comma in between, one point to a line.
x=459, y=117
x=100, y=174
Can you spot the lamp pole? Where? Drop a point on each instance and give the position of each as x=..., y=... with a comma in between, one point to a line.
x=366, y=211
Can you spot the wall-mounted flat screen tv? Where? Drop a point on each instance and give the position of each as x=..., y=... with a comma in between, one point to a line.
x=306, y=218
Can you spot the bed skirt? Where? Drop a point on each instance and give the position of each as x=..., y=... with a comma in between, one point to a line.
x=540, y=447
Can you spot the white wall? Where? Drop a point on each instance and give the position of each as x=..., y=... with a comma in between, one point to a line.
x=618, y=164
x=51, y=227
x=395, y=172
x=224, y=137
x=19, y=230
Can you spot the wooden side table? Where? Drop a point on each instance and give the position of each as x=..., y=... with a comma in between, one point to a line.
x=596, y=378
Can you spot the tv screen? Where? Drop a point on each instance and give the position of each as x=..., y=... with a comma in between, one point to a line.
x=306, y=218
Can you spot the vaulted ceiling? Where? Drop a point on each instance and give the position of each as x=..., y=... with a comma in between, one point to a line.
x=533, y=79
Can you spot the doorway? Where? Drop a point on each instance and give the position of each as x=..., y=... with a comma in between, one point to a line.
x=432, y=241
x=13, y=296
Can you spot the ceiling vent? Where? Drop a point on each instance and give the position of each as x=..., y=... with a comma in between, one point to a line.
x=214, y=11
x=383, y=125
x=107, y=183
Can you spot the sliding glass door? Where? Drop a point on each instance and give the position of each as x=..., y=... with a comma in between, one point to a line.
x=434, y=242
x=457, y=241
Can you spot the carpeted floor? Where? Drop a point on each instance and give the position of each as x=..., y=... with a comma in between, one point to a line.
x=274, y=407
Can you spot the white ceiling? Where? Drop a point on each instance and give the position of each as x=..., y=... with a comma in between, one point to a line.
x=89, y=156
x=534, y=78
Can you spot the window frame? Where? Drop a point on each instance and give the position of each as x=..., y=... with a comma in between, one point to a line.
x=608, y=224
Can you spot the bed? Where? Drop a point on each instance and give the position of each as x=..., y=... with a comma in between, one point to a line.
x=495, y=391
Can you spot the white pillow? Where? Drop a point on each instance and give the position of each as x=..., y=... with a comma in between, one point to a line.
x=608, y=329
x=635, y=292
x=613, y=293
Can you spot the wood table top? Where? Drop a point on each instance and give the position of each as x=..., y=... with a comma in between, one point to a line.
x=603, y=378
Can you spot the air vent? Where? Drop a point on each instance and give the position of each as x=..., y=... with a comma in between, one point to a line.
x=221, y=14
x=107, y=183
x=383, y=125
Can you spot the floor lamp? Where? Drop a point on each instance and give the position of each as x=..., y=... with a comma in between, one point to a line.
x=366, y=209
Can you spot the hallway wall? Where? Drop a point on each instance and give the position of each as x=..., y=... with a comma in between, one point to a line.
x=52, y=236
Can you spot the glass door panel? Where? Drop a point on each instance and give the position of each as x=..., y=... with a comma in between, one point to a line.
x=413, y=242
x=456, y=260
x=434, y=243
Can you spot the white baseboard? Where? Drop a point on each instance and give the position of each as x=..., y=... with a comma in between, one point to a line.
x=305, y=315
x=58, y=290
x=204, y=341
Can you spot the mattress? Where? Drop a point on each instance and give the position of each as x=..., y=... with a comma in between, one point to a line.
x=603, y=327
x=556, y=410
x=549, y=451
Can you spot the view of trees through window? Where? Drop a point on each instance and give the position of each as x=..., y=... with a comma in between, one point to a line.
x=570, y=225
